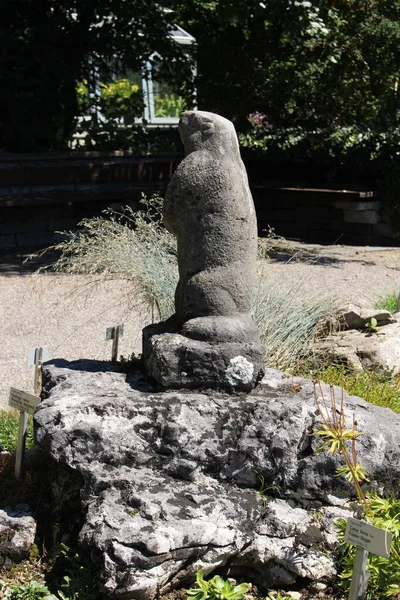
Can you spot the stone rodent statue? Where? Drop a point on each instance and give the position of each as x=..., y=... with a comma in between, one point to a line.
x=211, y=342
x=209, y=208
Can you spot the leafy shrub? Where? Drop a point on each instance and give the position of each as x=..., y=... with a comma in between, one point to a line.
x=9, y=425
x=359, y=144
x=168, y=105
x=109, y=120
x=216, y=589
x=360, y=153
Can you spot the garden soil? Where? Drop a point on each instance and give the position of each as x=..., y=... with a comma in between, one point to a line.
x=69, y=314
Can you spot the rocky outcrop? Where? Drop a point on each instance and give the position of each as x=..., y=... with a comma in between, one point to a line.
x=365, y=349
x=362, y=346
x=175, y=481
x=358, y=317
x=17, y=534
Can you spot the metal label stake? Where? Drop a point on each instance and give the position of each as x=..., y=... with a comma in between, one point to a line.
x=359, y=580
x=37, y=356
x=367, y=538
x=114, y=333
x=26, y=404
x=20, y=453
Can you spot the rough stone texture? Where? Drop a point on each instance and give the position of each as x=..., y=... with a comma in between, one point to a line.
x=17, y=534
x=365, y=350
x=190, y=361
x=170, y=479
x=357, y=317
x=209, y=208
x=360, y=346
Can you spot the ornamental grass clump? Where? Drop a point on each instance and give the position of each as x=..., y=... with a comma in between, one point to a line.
x=288, y=321
x=131, y=245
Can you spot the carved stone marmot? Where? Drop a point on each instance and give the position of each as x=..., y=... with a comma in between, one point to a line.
x=209, y=208
x=211, y=342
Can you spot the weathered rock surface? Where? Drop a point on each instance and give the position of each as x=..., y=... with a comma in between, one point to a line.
x=209, y=208
x=357, y=317
x=17, y=534
x=170, y=479
x=200, y=355
x=361, y=346
x=364, y=349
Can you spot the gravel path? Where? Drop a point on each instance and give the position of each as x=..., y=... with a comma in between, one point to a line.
x=61, y=313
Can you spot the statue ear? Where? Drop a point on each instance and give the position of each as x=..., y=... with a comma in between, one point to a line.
x=207, y=127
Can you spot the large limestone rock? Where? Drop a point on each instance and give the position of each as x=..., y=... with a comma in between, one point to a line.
x=169, y=481
x=211, y=342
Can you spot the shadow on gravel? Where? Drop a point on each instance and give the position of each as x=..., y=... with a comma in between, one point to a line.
x=22, y=262
x=313, y=258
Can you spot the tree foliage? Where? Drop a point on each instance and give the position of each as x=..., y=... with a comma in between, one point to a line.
x=298, y=63
x=309, y=63
x=50, y=45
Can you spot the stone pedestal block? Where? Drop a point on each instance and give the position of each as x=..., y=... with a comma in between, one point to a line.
x=231, y=360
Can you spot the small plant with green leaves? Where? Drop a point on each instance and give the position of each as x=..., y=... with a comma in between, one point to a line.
x=9, y=426
x=372, y=325
x=384, y=573
x=77, y=581
x=32, y=590
x=338, y=439
x=216, y=589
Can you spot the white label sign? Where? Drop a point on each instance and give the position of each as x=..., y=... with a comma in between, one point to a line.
x=366, y=536
x=111, y=332
x=33, y=356
x=23, y=400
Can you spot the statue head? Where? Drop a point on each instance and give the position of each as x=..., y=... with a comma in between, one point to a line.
x=204, y=130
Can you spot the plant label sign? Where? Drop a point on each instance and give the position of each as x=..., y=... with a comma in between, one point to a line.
x=37, y=354
x=23, y=400
x=113, y=332
x=368, y=537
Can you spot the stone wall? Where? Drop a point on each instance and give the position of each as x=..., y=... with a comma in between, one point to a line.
x=45, y=193
x=322, y=215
